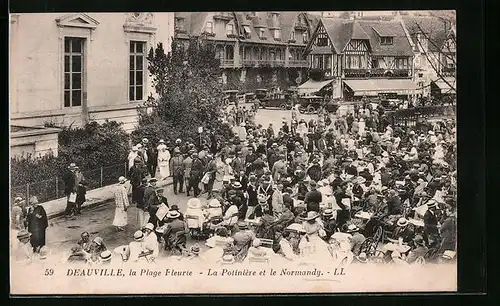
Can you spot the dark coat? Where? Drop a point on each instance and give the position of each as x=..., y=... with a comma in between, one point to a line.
x=69, y=179
x=150, y=198
x=430, y=224
x=37, y=224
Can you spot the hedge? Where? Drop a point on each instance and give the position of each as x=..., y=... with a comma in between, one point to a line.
x=90, y=147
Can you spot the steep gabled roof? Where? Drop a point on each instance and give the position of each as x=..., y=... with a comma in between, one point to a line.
x=339, y=32
x=434, y=28
x=375, y=29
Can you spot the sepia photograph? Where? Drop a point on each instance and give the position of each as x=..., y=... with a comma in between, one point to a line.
x=233, y=152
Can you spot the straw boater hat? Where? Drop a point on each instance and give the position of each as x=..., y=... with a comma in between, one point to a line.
x=138, y=236
x=72, y=166
x=242, y=225
x=402, y=222
x=352, y=228
x=431, y=204
x=328, y=213
x=122, y=179
x=161, y=141
x=98, y=241
x=173, y=214
x=214, y=203
x=228, y=259
x=105, y=256
x=297, y=227
x=236, y=185
x=195, y=249
x=311, y=215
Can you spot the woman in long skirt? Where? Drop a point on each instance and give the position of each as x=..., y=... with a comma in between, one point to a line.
x=121, y=200
x=163, y=160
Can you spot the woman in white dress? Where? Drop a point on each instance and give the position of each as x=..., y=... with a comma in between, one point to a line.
x=121, y=200
x=312, y=248
x=131, y=156
x=163, y=160
x=223, y=169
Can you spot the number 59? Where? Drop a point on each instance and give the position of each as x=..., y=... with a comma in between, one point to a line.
x=49, y=272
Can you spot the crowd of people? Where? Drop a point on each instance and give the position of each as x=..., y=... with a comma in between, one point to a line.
x=350, y=188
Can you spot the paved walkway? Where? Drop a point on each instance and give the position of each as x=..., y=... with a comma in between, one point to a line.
x=55, y=208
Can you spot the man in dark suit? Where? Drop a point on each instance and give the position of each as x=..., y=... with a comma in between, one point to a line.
x=431, y=232
x=70, y=186
x=313, y=197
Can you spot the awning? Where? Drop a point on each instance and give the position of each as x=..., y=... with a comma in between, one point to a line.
x=373, y=87
x=445, y=87
x=311, y=86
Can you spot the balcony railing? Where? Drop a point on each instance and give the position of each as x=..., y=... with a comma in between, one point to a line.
x=301, y=27
x=376, y=73
x=298, y=63
x=263, y=63
x=223, y=16
x=447, y=71
x=227, y=63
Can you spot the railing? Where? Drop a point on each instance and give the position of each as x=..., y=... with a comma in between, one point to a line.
x=223, y=16
x=52, y=189
x=298, y=63
x=301, y=26
x=376, y=73
x=227, y=63
x=446, y=71
x=270, y=63
x=410, y=116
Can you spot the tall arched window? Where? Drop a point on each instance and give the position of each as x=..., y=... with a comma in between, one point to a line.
x=229, y=52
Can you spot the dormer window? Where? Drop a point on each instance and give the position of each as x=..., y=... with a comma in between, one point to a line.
x=229, y=29
x=277, y=34
x=386, y=40
x=209, y=28
x=247, y=30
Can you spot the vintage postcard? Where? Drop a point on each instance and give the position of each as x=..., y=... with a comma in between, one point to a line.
x=233, y=152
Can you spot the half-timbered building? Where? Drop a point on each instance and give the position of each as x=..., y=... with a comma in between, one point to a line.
x=359, y=58
x=256, y=49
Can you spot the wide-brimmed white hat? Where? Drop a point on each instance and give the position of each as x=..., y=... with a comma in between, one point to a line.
x=122, y=179
x=296, y=227
x=351, y=228
x=161, y=141
x=173, y=214
x=214, y=203
x=311, y=215
x=149, y=226
x=105, y=256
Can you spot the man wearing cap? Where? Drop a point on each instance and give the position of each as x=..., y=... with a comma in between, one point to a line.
x=177, y=171
x=313, y=197
x=122, y=204
x=403, y=231
x=70, y=187
x=176, y=231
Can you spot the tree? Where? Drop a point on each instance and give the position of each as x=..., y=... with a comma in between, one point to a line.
x=188, y=90
x=440, y=35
